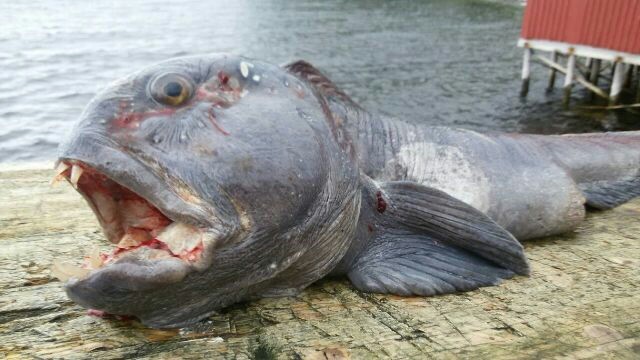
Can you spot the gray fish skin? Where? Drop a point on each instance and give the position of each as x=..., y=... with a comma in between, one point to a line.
x=288, y=180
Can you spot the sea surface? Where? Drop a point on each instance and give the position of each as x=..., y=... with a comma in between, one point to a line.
x=437, y=62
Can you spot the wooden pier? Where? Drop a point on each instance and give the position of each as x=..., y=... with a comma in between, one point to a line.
x=591, y=36
x=581, y=301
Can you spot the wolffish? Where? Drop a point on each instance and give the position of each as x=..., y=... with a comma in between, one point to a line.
x=220, y=179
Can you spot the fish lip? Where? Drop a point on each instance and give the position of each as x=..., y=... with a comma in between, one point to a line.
x=106, y=157
x=222, y=228
x=110, y=288
x=129, y=273
x=117, y=167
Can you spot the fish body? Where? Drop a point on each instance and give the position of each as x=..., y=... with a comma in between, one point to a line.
x=221, y=179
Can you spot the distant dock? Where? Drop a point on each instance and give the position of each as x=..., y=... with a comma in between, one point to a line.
x=598, y=40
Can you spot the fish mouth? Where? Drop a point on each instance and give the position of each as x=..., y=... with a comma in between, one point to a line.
x=139, y=231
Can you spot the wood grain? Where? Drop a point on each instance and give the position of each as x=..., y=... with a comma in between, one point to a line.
x=581, y=301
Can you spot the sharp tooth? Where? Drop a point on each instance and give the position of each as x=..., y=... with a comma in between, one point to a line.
x=132, y=238
x=94, y=258
x=66, y=271
x=180, y=237
x=60, y=169
x=76, y=172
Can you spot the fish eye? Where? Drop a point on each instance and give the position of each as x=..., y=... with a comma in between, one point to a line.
x=171, y=89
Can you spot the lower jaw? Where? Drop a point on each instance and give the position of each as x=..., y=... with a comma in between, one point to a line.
x=151, y=250
x=133, y=224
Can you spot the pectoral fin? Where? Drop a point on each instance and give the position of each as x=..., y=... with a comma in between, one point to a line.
x=426, y=242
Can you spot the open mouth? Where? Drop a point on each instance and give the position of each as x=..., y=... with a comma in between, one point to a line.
x=131, y=223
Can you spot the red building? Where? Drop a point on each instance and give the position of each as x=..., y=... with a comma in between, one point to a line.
x=602, y=30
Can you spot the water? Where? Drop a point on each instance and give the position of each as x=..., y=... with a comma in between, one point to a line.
x=446, y=62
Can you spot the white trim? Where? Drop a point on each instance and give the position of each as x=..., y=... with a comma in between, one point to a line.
x=526, y=59
x=581, y=50
x=571, y=64
x=618, y=80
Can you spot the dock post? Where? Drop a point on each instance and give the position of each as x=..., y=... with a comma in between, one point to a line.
x=595, y=71
x=628, y=76
x=617, y=82
x=568, y=78
x=637, y=84
x=638, y=87
x=526, y=71
x=588, y=65
x=552, y=72
x=594, y=75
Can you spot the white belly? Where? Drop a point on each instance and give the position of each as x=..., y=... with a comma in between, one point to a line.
x=442, y=167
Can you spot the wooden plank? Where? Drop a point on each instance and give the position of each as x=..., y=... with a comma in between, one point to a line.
x=578, y=78
x=581, y=301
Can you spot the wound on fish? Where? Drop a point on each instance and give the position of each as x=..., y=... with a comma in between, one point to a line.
x=223, y=77
x=214, y=122
x=381, y=202
x=131, y=120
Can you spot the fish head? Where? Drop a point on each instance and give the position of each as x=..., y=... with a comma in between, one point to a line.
x=211, y=176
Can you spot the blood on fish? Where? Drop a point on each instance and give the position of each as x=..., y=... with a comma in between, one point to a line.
x=195, y=253
x=97, y=313
x=214, y=122
x=131, y=120
x=152, y=243
x=382, y=203
x=223, y=77
x=191, y=255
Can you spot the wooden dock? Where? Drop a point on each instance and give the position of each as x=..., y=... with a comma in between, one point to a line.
x=594, y=36
x=582, y=300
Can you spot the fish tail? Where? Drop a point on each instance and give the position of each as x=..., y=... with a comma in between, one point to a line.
x=606, y=166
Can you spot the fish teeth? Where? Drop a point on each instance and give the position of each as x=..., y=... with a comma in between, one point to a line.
x=64, y=271
x=76, y=172
x=133, y=237
x=95, y=261
x=180, y=237
x=59, y=170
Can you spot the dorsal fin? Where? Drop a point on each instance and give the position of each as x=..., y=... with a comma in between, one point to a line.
x=309, y=73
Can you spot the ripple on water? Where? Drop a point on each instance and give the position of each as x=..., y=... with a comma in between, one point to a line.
x=439, y=62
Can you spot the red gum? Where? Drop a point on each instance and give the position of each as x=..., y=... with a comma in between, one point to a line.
x=156, y=244
x=93, y=181
x=153, y=244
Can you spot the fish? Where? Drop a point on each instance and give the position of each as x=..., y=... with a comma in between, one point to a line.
x=218, y=179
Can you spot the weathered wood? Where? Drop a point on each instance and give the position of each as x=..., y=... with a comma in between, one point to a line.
x=618, y=82
x=581, y=301
x=578, y=78
x=552, y=72
x=568, y=78
x=526, y=72
x=594, y=75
